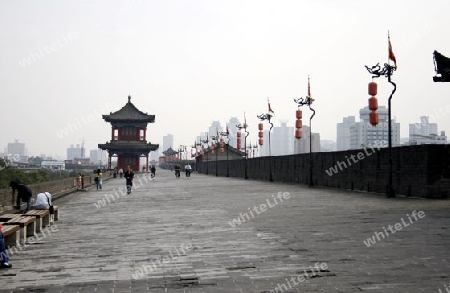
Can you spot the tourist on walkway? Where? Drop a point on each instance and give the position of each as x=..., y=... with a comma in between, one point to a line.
x=129, y=175
x=121, y=172
x=24, y=194
x=177, y=171
x=4, y=259
x=153, y=171
x=98, y=179
x=43, y=201
x=188, y=170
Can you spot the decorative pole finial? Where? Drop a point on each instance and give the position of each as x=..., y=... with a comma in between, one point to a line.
x=129, y=99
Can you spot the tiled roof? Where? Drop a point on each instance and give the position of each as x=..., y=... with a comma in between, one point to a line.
x=129, y=112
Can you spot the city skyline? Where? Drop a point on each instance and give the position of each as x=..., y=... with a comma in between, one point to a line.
x=190, y=64
x=170, y=140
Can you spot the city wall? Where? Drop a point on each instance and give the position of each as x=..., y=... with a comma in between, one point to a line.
x=57, y=188
x=422, y=170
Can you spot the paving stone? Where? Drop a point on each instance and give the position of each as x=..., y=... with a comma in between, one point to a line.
x=174, y=235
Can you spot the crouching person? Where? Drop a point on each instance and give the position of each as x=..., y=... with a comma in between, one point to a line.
x=23, y=193
x=43, y=201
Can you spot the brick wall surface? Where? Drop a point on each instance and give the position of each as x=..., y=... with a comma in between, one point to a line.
x=422, y=170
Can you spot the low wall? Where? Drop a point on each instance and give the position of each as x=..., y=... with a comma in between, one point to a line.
x=57, y=188
x=422, y=170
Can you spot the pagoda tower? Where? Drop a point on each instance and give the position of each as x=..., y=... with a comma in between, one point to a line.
x=128, y=137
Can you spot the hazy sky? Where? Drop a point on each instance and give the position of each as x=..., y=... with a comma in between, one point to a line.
x=191, y=62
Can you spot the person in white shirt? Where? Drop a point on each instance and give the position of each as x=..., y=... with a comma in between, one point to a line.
x=43, y=201
x=188, y=170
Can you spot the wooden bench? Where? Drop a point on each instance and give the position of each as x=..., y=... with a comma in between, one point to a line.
x=11, y=234
x=7, y=217
x=56, y=214
x=42, y=218
x=27, y=226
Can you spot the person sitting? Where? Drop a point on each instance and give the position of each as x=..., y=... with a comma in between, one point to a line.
x=43, y=201
x=4, y=259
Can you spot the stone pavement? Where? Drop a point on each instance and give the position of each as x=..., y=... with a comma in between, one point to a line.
x=177, y=235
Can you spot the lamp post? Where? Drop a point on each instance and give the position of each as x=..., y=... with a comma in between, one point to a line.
x=244, y=126
x=226, y=134
x=308, y=100
x=182, y=150
x=215, y=141
x=263, y=117
x=387, y=71
x=196, y=144
x=206, y=141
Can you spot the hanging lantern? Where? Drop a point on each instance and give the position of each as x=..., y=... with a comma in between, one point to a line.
x=260, y=126
x=374, y=118
x=238, y=134
x=298, y=114
x=298, y=123
x=373, y=88
x=261, y=141
x=222, y=144
x=373, y=104
x=298, y=133
x=212, y=151
x=260, y=134
x=222, y=150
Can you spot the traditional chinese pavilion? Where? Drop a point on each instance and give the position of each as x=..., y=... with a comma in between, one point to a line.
x=128, y=137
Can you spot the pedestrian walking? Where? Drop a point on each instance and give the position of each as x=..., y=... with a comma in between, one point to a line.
x=129, y=175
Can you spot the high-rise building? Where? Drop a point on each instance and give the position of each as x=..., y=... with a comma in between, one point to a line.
x=98, y=157
x=214, y=128
x=363, y=134
x=282, y=140
x=232, y=130
x=75, y=152
x=167, y=142
x=355, y=135
x=16, y=148
x=301, y=146
x=425, y=133
x=343, y=133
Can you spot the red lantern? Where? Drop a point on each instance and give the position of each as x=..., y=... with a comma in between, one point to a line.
x=298, y=123
x=212, y=151
x=373, y=88
x=260, y=134
x=261, y=141
x=238, y=134
x=298, y=114
x=374, y=118
x=260, y=127
x=373, y=104
x=222, y=144
x=221, y=150
x=298, y=133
